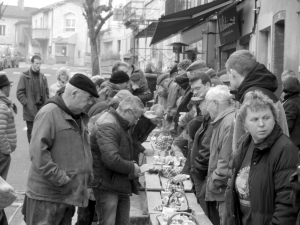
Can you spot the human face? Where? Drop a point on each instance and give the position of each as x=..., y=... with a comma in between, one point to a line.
x=123, y=86
x=133, y=117
x=158, y=119
x=63, y=77
x=197, y=86
x=6, y=90
x=181, y=71
x=235, y=79
x=259, y=124
x=135, y=85
x=203, y=107
x=124, y=69
x=212, y=108
x=83, y=101
x=36, y=65
x=129, y=61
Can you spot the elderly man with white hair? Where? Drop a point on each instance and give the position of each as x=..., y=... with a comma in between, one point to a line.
x=61, y=159
x=222, y=113
x=113, y=165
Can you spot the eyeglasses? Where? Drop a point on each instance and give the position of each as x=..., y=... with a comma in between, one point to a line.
x=136, y=118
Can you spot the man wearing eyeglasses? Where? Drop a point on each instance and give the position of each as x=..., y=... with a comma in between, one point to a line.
x=113, y=164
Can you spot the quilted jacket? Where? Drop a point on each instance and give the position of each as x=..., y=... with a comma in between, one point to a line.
x=8, y=135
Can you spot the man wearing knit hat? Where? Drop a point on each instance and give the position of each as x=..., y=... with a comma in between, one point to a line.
x=140, y=89
x=119, y=80
x=183, y=65
x=61, y=159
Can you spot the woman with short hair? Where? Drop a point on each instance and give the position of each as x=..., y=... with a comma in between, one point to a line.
x=259, y=191
x=63, y=76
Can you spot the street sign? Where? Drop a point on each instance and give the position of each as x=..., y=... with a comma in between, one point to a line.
x=118, y=15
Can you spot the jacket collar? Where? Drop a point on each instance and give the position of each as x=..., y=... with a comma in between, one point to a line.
x=223, y=114
x=290, y=96
x=124, y=123
x=266, y=144
x=4, y=99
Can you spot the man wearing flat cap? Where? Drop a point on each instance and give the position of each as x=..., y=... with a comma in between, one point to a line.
x=197, y=66
x=140, y=89
x=61, y=160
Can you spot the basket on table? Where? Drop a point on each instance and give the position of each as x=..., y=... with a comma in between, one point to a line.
x=183, y=218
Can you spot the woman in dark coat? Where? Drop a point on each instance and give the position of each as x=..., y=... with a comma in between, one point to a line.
x=291, y=105
x=259, y=191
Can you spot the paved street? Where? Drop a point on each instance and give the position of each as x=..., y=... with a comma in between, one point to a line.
x=20, y=158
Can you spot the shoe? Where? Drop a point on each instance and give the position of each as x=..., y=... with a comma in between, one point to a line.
x=139, y=186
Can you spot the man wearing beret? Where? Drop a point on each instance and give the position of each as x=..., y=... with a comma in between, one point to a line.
x=61, y=160
x=119, y=80
x=140, y=89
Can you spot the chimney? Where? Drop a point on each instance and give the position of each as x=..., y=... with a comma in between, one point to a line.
x=21, y=4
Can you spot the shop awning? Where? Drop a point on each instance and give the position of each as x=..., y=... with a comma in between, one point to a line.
x=174, y=23
x=148, y=31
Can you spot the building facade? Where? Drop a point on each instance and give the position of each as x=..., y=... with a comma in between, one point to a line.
x=62, y=33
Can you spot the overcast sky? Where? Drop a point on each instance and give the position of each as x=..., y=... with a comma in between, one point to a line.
x=42, y=3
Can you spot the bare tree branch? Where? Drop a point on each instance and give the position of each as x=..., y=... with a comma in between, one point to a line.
x=2, y=9
x=102, y=22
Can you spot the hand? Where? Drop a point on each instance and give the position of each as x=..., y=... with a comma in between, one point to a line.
x=137, y=170
x=148, y=152
x=179, y=178
x=5, y=187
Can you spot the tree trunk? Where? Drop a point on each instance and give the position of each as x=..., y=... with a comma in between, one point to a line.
x=94, y=58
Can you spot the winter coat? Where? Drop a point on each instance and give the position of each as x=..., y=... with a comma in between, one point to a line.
x=111, y=145
x=173, y=95
x=291, y=105
x=59, y=148
x=260, y=78
x=108, y=91
x=201, y=146
x=8, y=134
x=273, y=162
x=26, y=97
x=220, y=150
x=184, y=103
x=143, y=93
x=141, y=132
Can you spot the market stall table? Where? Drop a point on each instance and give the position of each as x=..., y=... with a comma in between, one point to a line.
x=154, y=184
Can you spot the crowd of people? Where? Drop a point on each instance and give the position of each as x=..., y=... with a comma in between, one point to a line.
x=85, y=136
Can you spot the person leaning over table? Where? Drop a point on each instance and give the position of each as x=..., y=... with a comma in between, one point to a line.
x=259, y=190
x=141, y=131
x=113, y=165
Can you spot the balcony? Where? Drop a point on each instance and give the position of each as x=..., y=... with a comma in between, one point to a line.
x=133, y=12
x=41, y=33
x=173, y=6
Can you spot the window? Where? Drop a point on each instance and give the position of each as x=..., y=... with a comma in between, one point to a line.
x=70, y=22
x=2, y=30
x=41, y=26
x=36, y=26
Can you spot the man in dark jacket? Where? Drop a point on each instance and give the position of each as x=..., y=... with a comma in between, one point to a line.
x=139, y=88
x=245, y=75
x=32, y=92
x=119, y=80
x=114, y=168
x=291, y=105
x=61, y=160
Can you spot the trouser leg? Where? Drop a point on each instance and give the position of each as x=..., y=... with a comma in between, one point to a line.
x=29, y=129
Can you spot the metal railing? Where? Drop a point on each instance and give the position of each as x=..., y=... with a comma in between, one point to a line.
x=173, y=6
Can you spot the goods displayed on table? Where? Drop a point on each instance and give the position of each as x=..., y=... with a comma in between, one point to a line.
x=175, y=209
x=163, y=140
